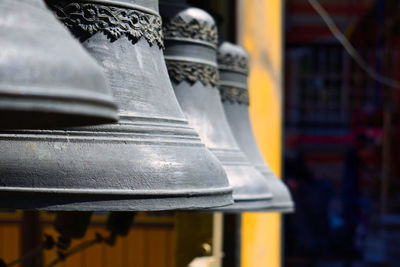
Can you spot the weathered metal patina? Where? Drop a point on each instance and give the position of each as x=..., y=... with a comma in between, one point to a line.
x=46, y=78
x=190, y=53
x=150, y=160
x=233, y=70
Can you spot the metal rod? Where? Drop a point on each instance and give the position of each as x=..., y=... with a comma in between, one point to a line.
x=82, y=246
x=33, y=252
x=48, y=243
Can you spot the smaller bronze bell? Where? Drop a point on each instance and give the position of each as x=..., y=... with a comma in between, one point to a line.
x=233, y=69
x=191, y=56
x=47, y=79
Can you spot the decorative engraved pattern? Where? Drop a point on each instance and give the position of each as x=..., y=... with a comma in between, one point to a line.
x=178, y=28
x=85, y=19
x=192, y=72
x=236, y=63
x=234, y=94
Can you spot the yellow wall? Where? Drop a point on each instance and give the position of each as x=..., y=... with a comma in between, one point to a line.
x=262, y=37
x=150, y=242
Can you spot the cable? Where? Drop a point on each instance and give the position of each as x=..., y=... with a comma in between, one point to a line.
x=28, y=255
x=47, y=244
x=350, y=48
x=82, y=246
x=118, y=224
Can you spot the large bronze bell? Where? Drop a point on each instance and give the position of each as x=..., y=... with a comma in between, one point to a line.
x=191, y=45
x=150, y=160
x=233, y=70
x=46, y=78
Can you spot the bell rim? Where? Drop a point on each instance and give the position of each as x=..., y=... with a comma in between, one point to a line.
x=282, y=208
x=149, y=203
x=245, y=206
x=253, y=197
x=120, y=192
x=277, y=208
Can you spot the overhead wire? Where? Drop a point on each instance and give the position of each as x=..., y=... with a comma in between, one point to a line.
x=350, y=48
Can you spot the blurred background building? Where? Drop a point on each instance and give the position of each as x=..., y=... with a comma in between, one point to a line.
x=340, y=135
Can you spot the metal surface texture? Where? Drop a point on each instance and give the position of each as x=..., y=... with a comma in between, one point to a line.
x=192, y=65
x=150, y=160
x=233, y=69
x=46, y=78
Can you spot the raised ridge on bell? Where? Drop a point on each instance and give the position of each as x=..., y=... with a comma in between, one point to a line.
x=233, y=68
x=47, y=79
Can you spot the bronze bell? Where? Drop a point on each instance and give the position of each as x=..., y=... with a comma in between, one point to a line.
x=233, y=70
x=190, y=51
x=46, y=78
x=150, y=160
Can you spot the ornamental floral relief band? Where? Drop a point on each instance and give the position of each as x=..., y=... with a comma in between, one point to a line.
x=234, y=94
x=84, y=19
x=234, y=63
x=177, y=28
x=192, y=72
